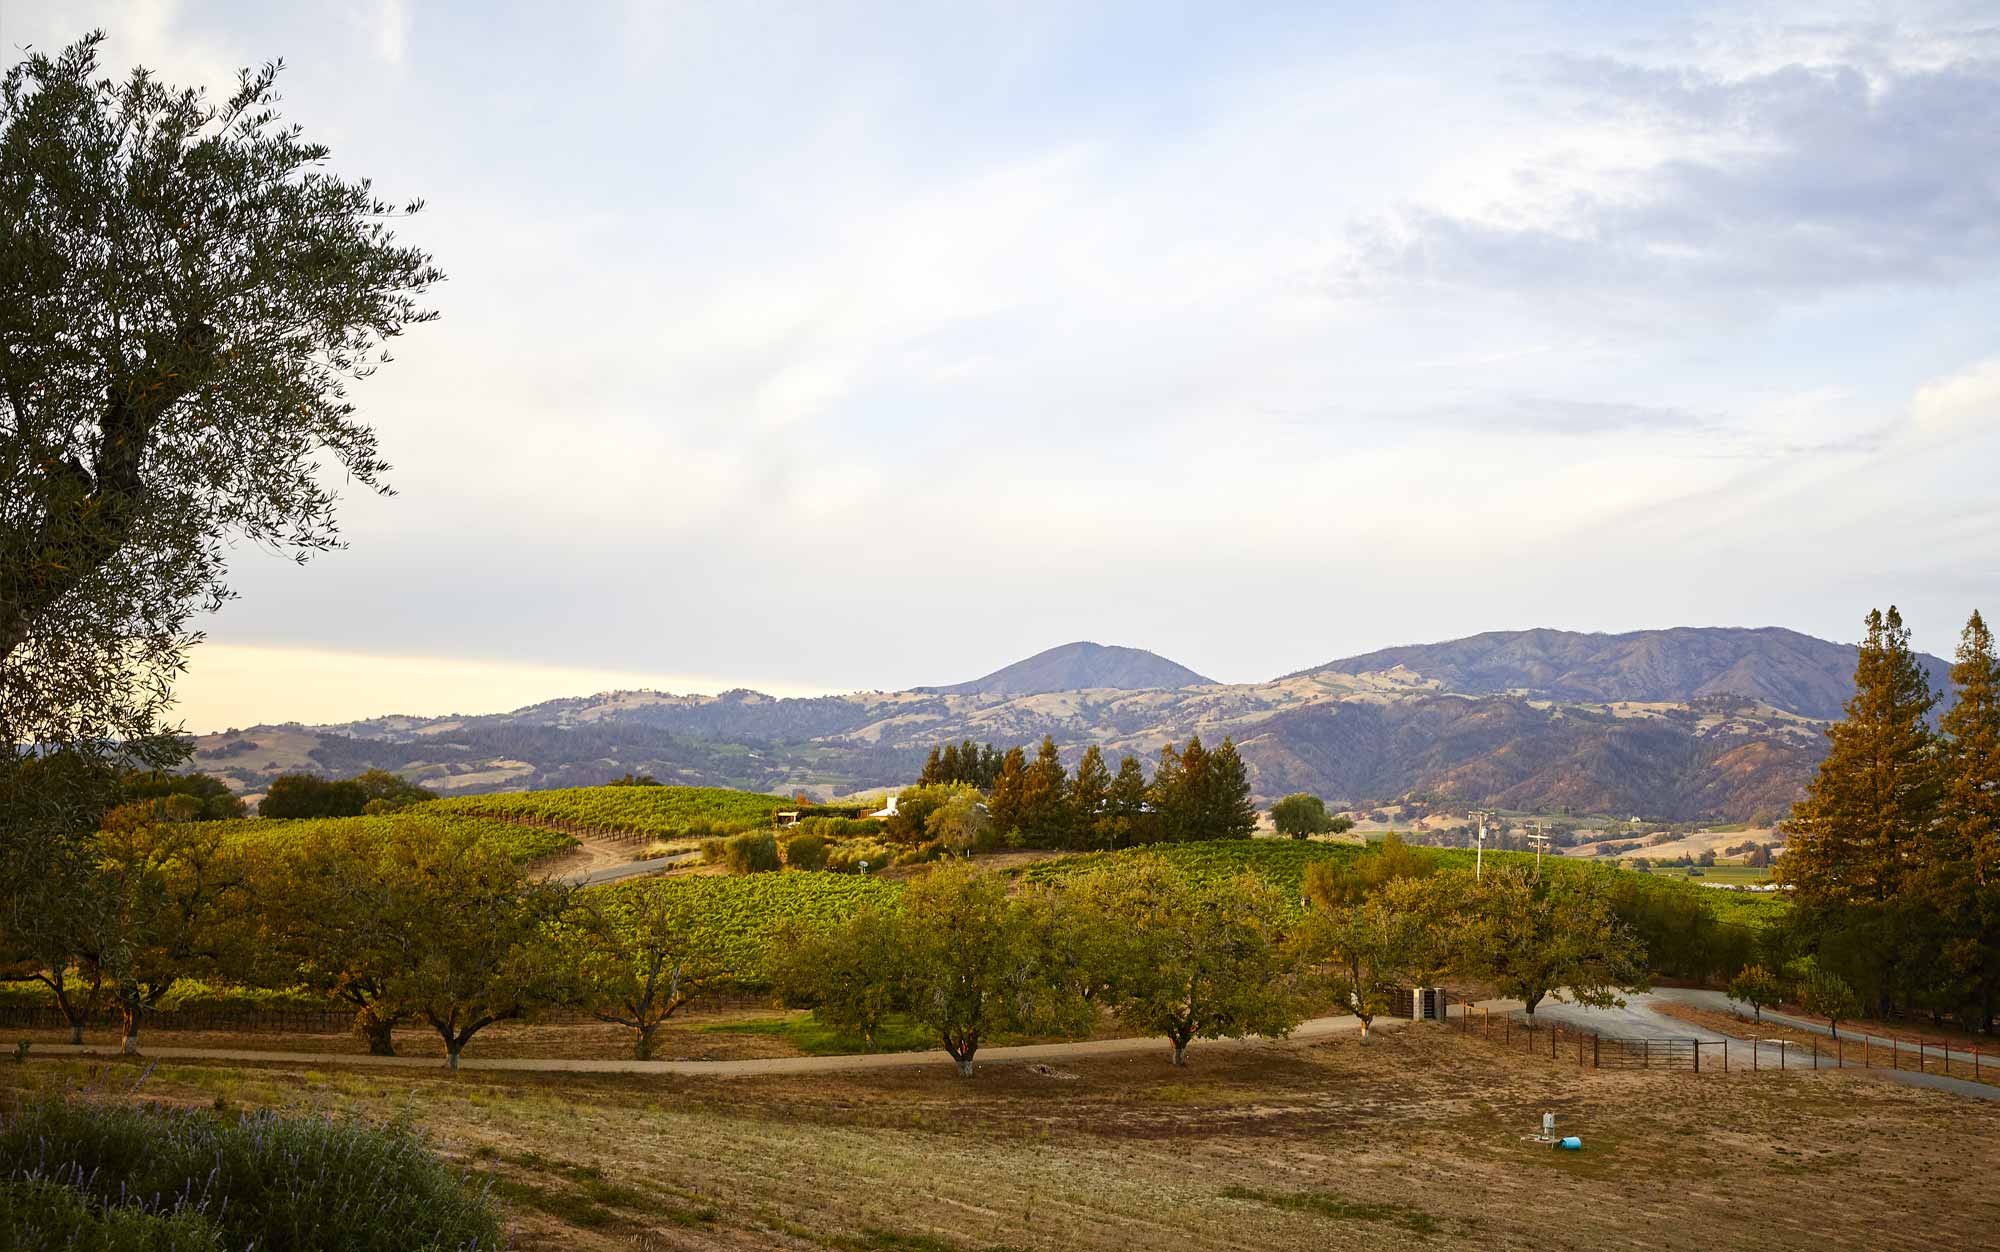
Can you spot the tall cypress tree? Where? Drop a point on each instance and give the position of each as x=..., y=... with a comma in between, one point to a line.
x=933, y=772
x=1854, y=840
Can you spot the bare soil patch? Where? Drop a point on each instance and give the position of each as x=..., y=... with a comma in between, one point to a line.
x=1413, y=1140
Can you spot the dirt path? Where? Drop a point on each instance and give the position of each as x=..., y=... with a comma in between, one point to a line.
x=1317, y=1028
x=595, y=861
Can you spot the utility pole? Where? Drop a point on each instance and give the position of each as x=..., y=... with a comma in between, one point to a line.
x=1540, y=839
x=1479, y=856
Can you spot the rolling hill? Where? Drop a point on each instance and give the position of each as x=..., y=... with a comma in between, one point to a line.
x=1080, y=667
x=1681, y=724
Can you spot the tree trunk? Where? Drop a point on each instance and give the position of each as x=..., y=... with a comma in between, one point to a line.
x=1180, y=1052
x=76, y=1032
x=451, y=1051
x=964, y=1066
x=128, y=1019
x=1364, y=1032
x=642, y=1047
x=379, y=1032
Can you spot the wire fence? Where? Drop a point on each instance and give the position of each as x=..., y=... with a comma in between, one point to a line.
x=1590, y=1049
x=252, y=1019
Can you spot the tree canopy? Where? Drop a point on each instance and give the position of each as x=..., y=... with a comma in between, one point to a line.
x=187, y=296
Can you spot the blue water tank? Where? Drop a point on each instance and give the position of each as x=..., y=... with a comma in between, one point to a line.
x=1570, y=1143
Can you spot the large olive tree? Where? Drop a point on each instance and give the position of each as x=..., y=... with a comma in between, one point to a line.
x=186, y=295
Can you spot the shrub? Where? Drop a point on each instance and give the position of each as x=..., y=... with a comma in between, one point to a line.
x=714, y=852
x=805, y=851
x=39, y=1215
x=263, y=1181
x=752, y=852
x=923, y=853
x=846, y=858
x=699, y=828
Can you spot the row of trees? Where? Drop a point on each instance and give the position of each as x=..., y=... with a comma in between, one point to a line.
x=309, y=795
x=1171, y=955
x=421, y=926
x=1194, y=793
x=1893, y=857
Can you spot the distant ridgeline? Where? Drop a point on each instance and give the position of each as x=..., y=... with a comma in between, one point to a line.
x=1671, y=725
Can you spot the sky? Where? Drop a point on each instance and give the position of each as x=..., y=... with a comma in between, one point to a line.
x=835, y=347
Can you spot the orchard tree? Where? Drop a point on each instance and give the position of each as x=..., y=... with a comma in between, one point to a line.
x=971, y=965
x=187, y=296
x=333, y=919
x=478, y=948
x=1756, y=987
x=1557, y=937
x=643, y=953
x=851, y=974
x=1355, y=953
x=176, y=901
x=1192, y=961
x=1825, y=994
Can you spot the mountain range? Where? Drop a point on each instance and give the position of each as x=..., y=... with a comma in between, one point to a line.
x=1678, y=724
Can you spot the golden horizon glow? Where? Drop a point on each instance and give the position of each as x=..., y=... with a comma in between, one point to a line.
x=233, y=685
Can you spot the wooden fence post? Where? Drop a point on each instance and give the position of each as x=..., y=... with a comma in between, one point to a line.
x=1725, y=1054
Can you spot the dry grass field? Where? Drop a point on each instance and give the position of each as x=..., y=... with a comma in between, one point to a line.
x=1415, y=1140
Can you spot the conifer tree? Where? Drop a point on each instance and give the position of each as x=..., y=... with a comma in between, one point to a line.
x=1966, y=865
x=1869, y=813
x=1088, y=793
x=1131, y=822
x=1005, y=799
x=1044, y=799
x=951, y=767
x=933, y=771
x=1230, y=813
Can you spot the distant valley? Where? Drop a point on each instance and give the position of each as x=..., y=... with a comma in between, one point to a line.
x=1680, y=724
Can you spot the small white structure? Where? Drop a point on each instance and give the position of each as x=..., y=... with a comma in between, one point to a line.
x=887, y=812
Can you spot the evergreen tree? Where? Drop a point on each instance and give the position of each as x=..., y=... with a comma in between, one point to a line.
x=1131, y=822
x=1965, y=869
x=1005, y=799
x=990, y=764
x=1045, y=800
x=1182, y=790
x=1229, y=812
x=1088, y=795
x=933, y=771
x=1869, y=812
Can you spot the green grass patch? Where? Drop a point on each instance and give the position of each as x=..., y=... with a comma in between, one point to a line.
x=813, y=1037
x=1320, y=1204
